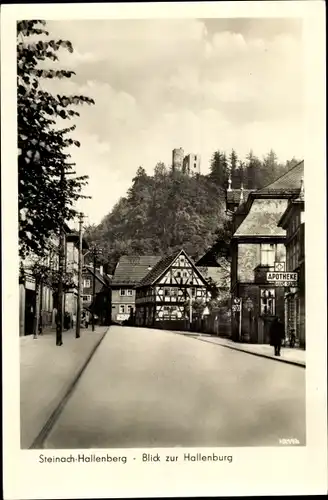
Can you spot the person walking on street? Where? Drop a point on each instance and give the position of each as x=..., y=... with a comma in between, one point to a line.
x=292, y=338
x=277, y=333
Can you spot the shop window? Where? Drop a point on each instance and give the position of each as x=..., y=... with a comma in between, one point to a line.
x=268, y=302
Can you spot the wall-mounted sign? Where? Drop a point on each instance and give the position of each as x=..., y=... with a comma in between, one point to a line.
x=279, y=267
x=236, y=308
x=282, y=279
x=122, y=317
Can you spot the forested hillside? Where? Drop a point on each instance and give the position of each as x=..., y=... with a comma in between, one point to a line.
x=170, y=210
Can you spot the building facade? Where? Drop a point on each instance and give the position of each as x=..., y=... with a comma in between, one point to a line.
x=293, y=221
x=163, y=295
x=258, y=248
x=38, y=294
x=101, y=302
x=129, y=271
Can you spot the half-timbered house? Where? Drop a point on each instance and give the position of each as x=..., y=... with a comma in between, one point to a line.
x=163, y=295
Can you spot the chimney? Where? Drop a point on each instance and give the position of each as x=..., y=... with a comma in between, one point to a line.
x=241, y=201
x=229, y=182
x=302, y=188
x=101, y=270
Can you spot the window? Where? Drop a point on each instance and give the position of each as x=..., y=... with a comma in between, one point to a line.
x=268, y=253
x=129, y=293
x=86, y=298
x=268, y=301
x=124, y=292
x=86, y=284
x=122, y=309
x=130, y=309
x=113, y=307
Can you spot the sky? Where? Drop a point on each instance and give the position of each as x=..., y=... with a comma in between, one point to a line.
x=199, y=84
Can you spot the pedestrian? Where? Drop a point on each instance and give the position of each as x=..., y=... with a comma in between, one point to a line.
x=292, y=338
x=277, y=334
x=86, y=319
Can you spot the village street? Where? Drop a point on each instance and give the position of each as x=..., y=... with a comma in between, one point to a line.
x=153, y=388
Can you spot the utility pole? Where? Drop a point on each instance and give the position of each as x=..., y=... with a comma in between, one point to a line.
x=61, y=260
x=190, y=308
x=78, y=314
x=94, y=288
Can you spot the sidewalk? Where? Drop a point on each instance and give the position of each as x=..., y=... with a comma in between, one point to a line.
x=47, y=372
x=288, y=355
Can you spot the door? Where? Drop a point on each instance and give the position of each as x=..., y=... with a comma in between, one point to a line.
x=29, y=311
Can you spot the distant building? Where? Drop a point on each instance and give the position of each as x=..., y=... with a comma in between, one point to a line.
x=102, y=300
x=129, y=271
x=257, y=245
x=191, y=164
x=162, y=294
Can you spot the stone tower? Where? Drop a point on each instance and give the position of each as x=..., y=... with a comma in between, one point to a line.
x=177, y=159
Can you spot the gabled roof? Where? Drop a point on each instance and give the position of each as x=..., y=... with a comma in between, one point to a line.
x=165, y=264
x=159, y=269
x=290, y=182
x=130, y=270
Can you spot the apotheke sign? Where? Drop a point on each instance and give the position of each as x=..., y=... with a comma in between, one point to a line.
x=282, y=277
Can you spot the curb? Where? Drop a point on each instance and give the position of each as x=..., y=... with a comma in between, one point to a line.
x=46, y=429
x=260, y=355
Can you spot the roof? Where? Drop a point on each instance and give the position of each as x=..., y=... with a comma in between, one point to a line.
x=263, y=218
x=233, y=196
x=130, y=270
x=163, y=265
x=159, y=269
x=288, y=182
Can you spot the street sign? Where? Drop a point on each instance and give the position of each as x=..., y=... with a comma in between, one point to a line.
x=236, y=308
x=279, y=267
x=282, y=277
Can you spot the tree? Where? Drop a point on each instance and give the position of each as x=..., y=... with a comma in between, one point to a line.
x=219, y=168
x=253, y=172
x=235, y=170
x=46, y=194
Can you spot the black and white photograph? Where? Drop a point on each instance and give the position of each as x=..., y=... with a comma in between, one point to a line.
x=162, y=255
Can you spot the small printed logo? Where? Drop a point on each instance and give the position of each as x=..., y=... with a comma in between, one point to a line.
x=289, y=441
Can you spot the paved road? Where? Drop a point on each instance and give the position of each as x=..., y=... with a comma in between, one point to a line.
x=152, y=388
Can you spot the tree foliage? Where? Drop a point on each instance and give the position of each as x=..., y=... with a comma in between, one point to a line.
x=162, y=213
x=46, y=199
x=252, y=172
